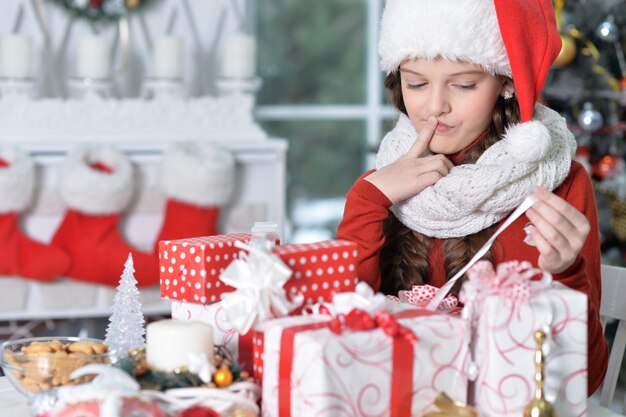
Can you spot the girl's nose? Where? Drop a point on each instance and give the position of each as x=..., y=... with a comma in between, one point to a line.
x=438, y=103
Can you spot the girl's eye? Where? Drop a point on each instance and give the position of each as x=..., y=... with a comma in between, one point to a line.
x=467, y=86
x=415, y=86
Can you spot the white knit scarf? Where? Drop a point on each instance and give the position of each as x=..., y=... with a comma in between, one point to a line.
x=475, y=196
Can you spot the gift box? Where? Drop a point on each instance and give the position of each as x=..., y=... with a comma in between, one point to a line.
x=190, y=268
x=506, y=309
x=316, y=272
x=343, y=366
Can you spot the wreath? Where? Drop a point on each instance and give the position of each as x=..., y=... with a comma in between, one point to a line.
x=97, y=11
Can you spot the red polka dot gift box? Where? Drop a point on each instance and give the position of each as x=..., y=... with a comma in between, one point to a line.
x=190, y=268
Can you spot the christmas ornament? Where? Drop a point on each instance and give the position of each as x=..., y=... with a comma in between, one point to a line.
x=112, y=393
x=539, y=406
x=101, y=11
x=589, y=118
x=97, y=185
x=198, y=411
x=223, y=377
x=608, y=30
x=126, y=325
x=20, y=255
x=42, y=403
x=607, y=167
x=568, y=51
x=450, y=408
x=243, y=412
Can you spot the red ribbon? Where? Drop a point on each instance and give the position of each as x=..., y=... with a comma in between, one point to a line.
x=359, y=320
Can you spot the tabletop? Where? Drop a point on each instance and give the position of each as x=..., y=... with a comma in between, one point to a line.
x=14, y=404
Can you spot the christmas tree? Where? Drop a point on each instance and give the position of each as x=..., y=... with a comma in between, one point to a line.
x=126, y=325
x=587, y=85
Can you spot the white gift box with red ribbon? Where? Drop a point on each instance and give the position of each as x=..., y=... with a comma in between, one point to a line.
x=506, y=309
x=366, y=363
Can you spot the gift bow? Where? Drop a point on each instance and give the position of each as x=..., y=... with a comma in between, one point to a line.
x=361, y=320
x=258, y=279
x=510, y=280
x=421, y=295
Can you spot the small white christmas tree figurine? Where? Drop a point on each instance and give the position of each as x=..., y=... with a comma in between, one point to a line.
x=126, y=325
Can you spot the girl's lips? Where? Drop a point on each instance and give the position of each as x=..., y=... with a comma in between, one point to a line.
x=442, y=127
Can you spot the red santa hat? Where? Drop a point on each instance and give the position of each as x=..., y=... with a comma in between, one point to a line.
x=516, y=38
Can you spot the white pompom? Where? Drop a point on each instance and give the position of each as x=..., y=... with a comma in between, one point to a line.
x=528, y=142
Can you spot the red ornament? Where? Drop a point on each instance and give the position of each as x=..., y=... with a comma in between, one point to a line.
x=607, y=167
x=198, y=411
x=96, y=3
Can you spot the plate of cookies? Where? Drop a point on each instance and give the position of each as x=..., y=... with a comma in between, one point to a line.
x=45, y=363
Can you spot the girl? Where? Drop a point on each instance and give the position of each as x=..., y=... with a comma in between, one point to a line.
x=471, y=143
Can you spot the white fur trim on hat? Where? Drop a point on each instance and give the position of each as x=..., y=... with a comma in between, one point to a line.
x=92, y=191
x=17, y=181
x=196, y=174
x=457, y=30
x=528, y=142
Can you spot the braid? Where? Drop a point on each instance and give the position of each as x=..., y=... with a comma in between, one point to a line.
x=404, y=258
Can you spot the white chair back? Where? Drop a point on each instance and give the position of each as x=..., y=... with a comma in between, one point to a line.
x=613, y=306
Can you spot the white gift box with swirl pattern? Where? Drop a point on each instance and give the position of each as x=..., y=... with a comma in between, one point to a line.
x=358, y=373
x=506, y=309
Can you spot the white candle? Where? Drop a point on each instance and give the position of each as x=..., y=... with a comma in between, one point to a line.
x=94, y=58
x=168, y=57
x=169, y=343
x=239, y=57
x=16, y=56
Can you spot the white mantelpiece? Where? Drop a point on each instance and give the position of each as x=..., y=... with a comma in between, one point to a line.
x=62, y=122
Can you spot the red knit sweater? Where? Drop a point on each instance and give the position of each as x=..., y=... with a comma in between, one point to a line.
x=367, y=207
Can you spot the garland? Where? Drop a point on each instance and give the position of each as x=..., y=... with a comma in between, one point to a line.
x=101, y=11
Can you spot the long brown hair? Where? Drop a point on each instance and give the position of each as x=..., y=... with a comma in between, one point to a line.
x=405, y=256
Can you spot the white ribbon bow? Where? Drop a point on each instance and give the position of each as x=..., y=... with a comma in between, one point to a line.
x=258, y=279
x=200, y=365
x=363, y=298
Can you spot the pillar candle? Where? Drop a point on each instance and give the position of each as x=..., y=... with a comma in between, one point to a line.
x=16, y=56
x=239, y=57
x=94, y=58
x=169, y=342
x=168, y=57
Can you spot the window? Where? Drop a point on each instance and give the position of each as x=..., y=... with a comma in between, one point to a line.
x=323, y=93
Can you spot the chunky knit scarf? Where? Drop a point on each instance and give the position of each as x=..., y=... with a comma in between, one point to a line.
x=475, y=196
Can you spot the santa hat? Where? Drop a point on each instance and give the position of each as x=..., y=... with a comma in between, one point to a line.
x=516, y=38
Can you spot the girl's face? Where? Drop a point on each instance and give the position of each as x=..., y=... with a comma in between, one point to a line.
x=461, y=95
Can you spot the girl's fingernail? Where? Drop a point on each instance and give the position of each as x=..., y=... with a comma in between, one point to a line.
x=432, y=120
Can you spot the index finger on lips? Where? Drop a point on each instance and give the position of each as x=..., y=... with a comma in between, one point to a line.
x=422, y=141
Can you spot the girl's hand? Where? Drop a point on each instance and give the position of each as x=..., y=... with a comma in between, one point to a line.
x=413, y=172
x=559, y=231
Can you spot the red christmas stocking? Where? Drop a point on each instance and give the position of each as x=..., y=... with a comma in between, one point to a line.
x=97, y=185
x=21, y=255
x=196, y=180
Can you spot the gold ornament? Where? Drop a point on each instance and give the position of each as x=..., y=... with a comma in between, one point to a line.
x=450, y=408
x=243, y=412
x=133, y=4
x=538, y=406
x=568, y=51
x=223, y=377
